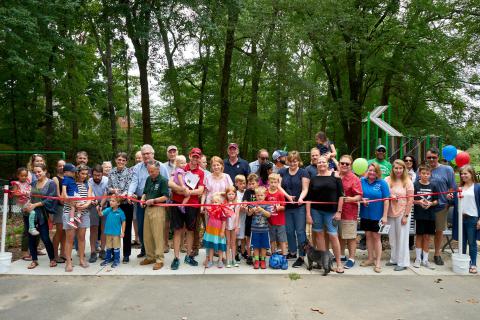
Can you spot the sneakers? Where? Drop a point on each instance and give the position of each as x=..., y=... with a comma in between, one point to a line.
x=263, y=264
x=175, y=264
x=236, y=264
x=417, y=263
x=291, y=256
x=438, y=260
x=256, y=264
x=249, y=260
x=126, y=260
x=427, y=265
x=209, y=264
x=191, y=261
x=343, y=258
x=34, y=232
x=399, y=268
x=298, y=263
x=237, y=257
x=230, y=264
x=245, y=255
x=390, y=264
x=102, y=254
x=349, y=264
x=93, y=257
x=220, y=264
x=141, y=254
x=72, y=224
x=115, y=264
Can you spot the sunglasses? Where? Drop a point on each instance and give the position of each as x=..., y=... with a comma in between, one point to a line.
x=345, y=163
x=432, y=158
x=408, y=160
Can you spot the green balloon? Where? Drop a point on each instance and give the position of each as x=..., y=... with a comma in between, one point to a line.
x=359, y=166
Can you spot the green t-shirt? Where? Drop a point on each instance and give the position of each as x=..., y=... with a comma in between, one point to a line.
x=385, y=166
x=156, y=188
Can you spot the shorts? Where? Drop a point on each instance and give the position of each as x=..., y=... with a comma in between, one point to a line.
x=424, y=227
x=348, y=229
x=278, y=233
x=187, y=219
x=441, y=219
x=58, y=216
x=322, y=218
x=248, y=225
x=241, y=227
x=369, y=225
x=94, y=217
x=85, y=218
x=260, y=240
x=112, y=242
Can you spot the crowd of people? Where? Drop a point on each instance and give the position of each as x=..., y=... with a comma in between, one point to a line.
x=243, y=212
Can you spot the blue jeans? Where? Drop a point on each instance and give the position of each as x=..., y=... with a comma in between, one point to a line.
x=44, y=235
x=140, y=216
x=295, y=221
x=470, y=236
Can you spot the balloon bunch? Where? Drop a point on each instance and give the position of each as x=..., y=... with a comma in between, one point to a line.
x=456, y=156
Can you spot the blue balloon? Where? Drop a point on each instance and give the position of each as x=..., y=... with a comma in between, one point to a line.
x=449, y=152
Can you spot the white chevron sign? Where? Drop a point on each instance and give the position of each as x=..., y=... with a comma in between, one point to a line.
x=375, y=118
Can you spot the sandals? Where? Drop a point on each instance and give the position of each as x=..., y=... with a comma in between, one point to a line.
x=27, y=258
x=377, y=269
x=473, y=270
x=68, y=268
x=53, y=264
x=367, y=263
x=340, y=270
x=33, y=265
x=84, y=265
x=61, y=260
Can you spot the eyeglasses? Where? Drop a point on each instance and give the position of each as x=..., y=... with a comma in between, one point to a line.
x=408, y=160
x=432, y=158
x=345, y=163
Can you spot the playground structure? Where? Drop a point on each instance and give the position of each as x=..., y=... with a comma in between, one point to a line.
x=396, y=143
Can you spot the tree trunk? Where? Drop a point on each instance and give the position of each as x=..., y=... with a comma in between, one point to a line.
x=172, y=78
x=205, y=62
x=111, y=106
x=14, y=120
x=145, y=101
x=127, y=103
x=233, y=12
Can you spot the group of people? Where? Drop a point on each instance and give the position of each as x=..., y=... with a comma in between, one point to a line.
x=248, y=210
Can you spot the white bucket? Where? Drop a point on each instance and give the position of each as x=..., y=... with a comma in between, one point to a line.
x=460, y=263
x=5, y=261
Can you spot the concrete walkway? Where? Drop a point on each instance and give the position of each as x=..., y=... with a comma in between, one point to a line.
x=133, y=268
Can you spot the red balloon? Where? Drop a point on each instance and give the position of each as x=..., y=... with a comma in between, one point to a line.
x=462, y=159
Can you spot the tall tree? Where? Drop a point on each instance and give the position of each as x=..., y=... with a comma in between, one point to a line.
x=137, y=15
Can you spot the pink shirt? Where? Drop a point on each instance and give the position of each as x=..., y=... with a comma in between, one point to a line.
x=213, y=185
x=401, y=206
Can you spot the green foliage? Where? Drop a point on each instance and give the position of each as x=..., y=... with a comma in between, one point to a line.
x=319, y=65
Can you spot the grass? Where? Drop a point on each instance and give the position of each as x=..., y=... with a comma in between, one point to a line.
x=294, y=276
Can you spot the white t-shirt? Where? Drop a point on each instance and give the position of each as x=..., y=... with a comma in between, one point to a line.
x=468, y=202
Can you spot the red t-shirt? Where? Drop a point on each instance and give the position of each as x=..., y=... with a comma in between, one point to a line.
x=194, y=199
x=278, y=217
x=351, y=187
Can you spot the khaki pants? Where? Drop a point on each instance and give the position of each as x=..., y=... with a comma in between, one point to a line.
x=154, y=223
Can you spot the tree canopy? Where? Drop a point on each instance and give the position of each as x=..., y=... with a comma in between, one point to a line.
x=105, y=76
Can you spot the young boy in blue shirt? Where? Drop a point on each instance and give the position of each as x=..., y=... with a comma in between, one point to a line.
x=114, y=230
x=260, y=240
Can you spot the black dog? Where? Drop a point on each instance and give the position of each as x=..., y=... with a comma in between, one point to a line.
x=323, y=259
